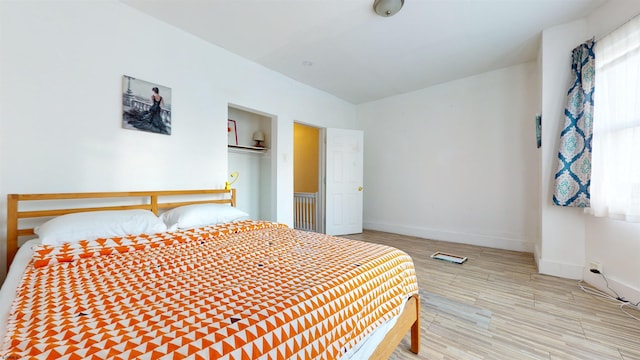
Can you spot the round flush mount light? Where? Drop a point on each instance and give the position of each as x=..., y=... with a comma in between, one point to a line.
x=387, y=8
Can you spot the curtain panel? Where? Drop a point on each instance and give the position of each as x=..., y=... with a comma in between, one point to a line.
x=615, y=185
x=573, y=175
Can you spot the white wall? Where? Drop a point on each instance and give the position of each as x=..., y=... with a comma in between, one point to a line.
x=61, y=69
x=562, y=228
x=570, y=239
x=456, y=161
x=615, y=244
x=537, y=234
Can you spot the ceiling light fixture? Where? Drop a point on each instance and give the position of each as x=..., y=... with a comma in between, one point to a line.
x=387, y=8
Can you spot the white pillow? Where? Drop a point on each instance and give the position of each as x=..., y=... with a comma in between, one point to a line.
x=91, y=225
x=190, y=216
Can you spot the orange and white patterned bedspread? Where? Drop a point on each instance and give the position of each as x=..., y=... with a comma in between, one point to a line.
x=250, y=290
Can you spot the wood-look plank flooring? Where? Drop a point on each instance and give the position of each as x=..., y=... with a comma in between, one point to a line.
x=532, y=316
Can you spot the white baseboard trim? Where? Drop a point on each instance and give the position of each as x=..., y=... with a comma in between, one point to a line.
x=536, y=255
x=556, y=268
x=497, y=242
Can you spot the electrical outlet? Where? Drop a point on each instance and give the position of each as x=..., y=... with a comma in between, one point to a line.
x=595, y=265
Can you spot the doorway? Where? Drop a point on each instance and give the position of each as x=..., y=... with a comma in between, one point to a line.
x=343, y=183
x=328, y=179
x=308, y=174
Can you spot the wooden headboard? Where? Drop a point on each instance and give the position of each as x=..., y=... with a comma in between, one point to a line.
x=147, y=200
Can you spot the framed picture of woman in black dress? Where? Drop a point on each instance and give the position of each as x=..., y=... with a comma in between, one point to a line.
x=145, y=106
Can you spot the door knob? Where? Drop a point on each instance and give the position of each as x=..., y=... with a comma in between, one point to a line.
x=359, y=188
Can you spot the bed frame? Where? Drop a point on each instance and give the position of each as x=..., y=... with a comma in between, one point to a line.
x=147, y=200
x=160, y=200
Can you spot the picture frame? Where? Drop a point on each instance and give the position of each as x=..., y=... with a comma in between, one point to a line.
x=232, y=132
x=146, y=106
x=538, y=130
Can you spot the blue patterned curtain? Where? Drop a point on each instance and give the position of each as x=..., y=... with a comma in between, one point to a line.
x=573, y=178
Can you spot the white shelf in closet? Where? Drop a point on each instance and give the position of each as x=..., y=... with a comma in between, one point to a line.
x=252, y=149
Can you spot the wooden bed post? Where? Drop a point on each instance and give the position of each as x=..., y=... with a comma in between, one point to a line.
x=12, y=228
x=154, y=204
x=415, y=328
x=409, y=319
x=233, y=197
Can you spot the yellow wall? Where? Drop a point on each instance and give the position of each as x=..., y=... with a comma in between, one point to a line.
x=305, y=158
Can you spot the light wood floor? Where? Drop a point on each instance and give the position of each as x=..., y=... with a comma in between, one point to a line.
x=533, y=316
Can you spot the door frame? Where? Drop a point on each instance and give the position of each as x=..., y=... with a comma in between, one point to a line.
x=322, y=180
x=320, y=201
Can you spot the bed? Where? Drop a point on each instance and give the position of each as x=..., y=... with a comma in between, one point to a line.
x=223, y=289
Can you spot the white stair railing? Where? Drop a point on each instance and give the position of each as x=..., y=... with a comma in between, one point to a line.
x=305, y=207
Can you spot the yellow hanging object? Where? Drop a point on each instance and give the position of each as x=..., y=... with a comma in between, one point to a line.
x=234, y=177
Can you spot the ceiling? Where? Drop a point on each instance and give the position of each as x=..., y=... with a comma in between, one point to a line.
x=344, y=48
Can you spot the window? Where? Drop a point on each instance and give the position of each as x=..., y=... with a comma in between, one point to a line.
x=615, y=176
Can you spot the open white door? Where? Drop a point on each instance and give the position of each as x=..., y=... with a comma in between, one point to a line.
x=344, y=166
